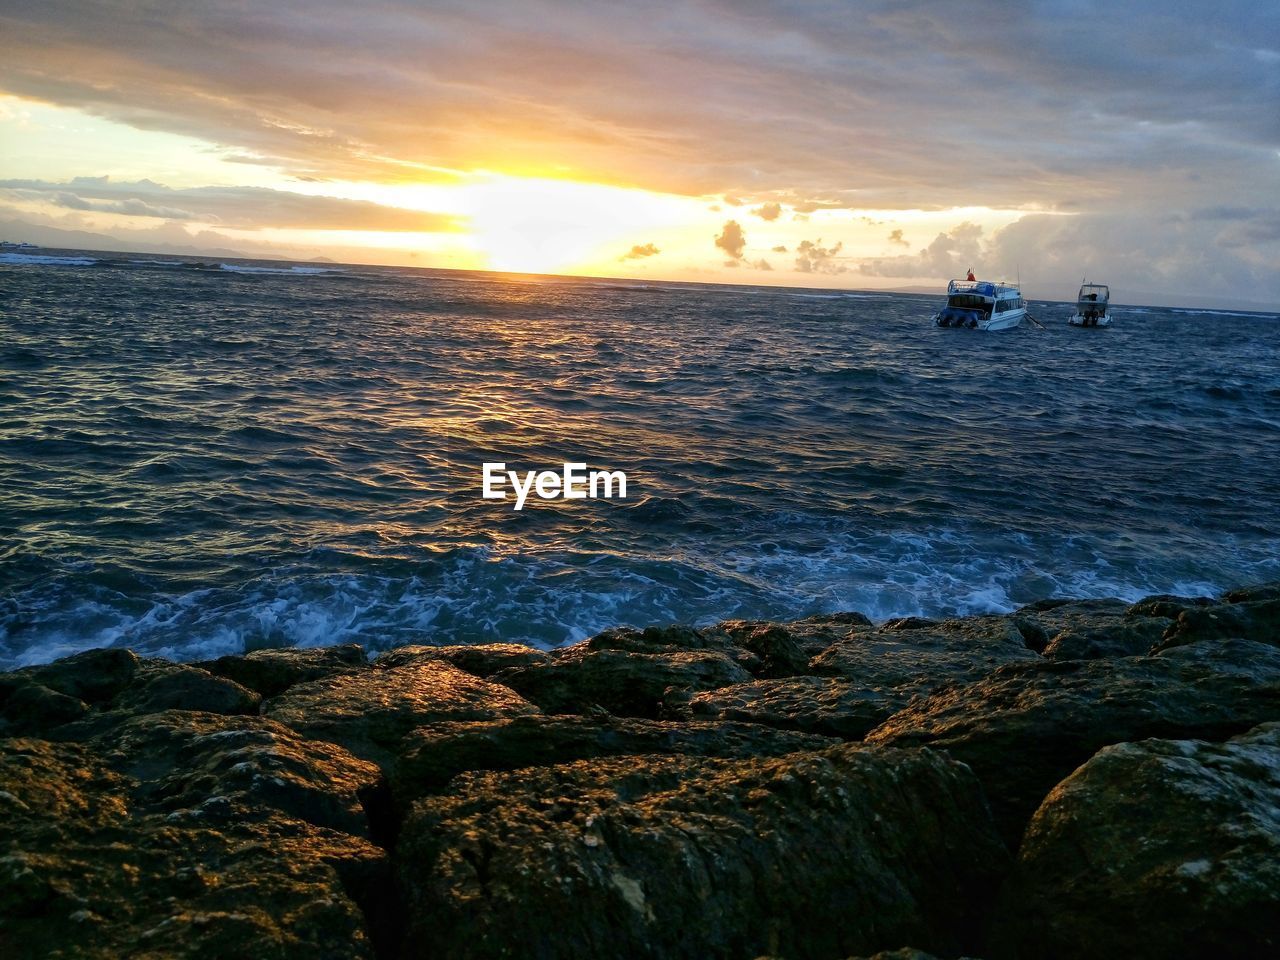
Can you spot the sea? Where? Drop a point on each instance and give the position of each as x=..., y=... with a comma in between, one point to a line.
x=200, y=457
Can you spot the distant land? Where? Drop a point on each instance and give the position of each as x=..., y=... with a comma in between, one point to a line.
x=19, y=231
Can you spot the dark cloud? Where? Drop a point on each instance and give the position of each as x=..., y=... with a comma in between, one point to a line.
x=732, y=240
x=245, y=208
x=640, y=251
x=895, y=236
x=813, y=257
x=878, y=105
x=912, y=99
x=780, y=248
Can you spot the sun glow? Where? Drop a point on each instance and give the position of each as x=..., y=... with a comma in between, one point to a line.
x=549, y=226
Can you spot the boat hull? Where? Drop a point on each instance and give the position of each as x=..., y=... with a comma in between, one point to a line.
x=1004, y=321
x=1001, y=321
x=1076, y=320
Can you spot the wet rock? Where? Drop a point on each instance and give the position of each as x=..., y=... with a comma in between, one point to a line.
x=882, y=670
x=623, y=682
x=1088, y=629
x=1167, y=605
x=781, y=653
x=483, y=660
x=1262, y=591
x=39, y=700
x=434, y=755
x=1028, y=725
x=811, y=635
x=95, y=676
x=371, y=712
x=95, y=863
x=668, y=640
x=160, y=685
x=831, y=706
x=270, y=672
x=814, y=855
x=1252, y=620
x=27, y=707
x=252, y=767
x=1127, y=637
x=1151, y=850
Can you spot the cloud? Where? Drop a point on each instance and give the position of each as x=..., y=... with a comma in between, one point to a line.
x=640, y=251
x=769, y=211
x=761, y=264
x=813, y=257
x=812, y=106
x=780, y=248
x=131, y=207
x=896, y=237
x=243, y=208
x=949, y=255
x=732, y=240
x=397, y=91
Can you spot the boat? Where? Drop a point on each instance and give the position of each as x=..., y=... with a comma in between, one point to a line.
x=1093, y=306
x=10, y=245
x=981, y=305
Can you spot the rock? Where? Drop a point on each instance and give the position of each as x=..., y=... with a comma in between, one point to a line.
x=483, y=659
x=780, y=653
x=880, y=670
x=668, y=640
x=27, y=707
x=270, y=672
x=435, y=754
x=811, y=635
x=38, y=700
x=1167, y=606
x=1128, y=637
x=1151, y=850
x=814, y=855
x=1262, y=591
x=1088, y=629
x=95, y=676
x=160, y=685
x=831, y=706
x=623, y=682
x=1251, y=620
x=1028, y=725
x=371, y=712
x=97, y=862
x=260, y=768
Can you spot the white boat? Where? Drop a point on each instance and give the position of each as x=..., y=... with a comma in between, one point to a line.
x=10, y=245
x=981, y=305
x=1093, y=306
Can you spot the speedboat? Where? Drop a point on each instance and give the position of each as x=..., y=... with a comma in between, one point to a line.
x=981, y=305
x=1093, y=306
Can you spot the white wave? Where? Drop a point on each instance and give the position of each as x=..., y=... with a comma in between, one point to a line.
x=43, y=260
x=1226, y=313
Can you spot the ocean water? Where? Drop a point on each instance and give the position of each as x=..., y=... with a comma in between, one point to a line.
x=203, y=458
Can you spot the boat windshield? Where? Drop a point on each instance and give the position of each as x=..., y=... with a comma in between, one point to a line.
x=968, y=301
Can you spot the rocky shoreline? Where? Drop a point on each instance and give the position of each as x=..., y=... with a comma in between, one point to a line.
x=1078, y=778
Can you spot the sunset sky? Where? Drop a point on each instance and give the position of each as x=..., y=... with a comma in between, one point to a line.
x=889, y=144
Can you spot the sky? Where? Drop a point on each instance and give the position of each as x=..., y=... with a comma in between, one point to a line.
x=834, y=144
